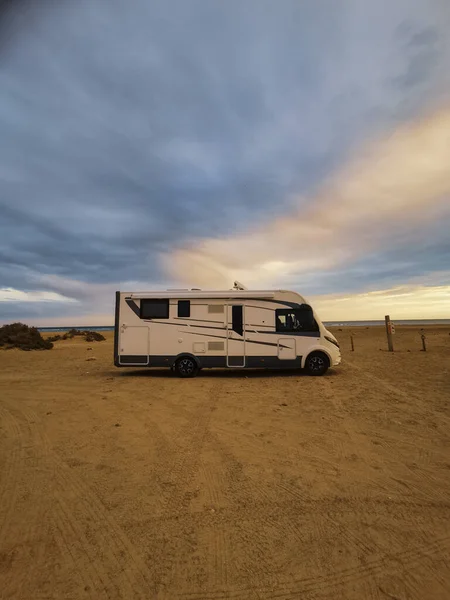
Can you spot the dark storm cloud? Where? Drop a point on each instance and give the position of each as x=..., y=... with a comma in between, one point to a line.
x=427, y=264
x=421, y=47
x=130, y=127
x=27, y=311
x=419, y=255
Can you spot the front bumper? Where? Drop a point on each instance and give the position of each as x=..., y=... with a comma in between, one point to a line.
x=337, y=360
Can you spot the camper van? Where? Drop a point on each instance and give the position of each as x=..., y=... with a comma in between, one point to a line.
x=189, y=330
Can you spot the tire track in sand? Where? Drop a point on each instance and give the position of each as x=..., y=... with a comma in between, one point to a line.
x=10, y=474
x=87, y=534
x=323, y=585
x=260, y=522
x=120, y=572
x=247, y=505
x=174, y=477
x=185, y=461
x=24, y=526
x=319, y=586
x=422, y=482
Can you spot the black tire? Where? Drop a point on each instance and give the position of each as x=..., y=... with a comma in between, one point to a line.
x=186, y=366
x=317, y=364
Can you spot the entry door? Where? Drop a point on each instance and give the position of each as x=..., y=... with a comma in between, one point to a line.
x=235, y=335
x=134, y=345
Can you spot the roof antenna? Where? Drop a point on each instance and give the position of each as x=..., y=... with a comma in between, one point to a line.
x=239, y=286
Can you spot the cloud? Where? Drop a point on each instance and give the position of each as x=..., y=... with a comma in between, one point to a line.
x=135, y=129
x=11, y=295
x=403, y=302
x=72, y=301
x=391, y=186
x=409, y=301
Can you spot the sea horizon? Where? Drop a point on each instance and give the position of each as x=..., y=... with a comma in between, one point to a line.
x=366, y=323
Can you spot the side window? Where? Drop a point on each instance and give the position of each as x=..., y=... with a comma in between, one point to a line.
x=184, y=308
x=292, y=320
x=154, y=309
x=237, y=319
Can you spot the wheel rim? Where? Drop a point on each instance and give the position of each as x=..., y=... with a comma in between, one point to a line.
x=316, y=364
x=186, y=366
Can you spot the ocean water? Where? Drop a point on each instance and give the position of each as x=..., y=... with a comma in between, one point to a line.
x=381, y=322
x=87, y=328
x=326, y=323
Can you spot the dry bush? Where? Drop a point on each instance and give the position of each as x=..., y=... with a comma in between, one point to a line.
x=18, y=335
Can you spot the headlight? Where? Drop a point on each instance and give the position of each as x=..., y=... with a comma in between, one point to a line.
x=332, y=341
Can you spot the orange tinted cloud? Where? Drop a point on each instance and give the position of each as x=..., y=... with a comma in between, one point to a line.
x=390, y=186
x=402, y=302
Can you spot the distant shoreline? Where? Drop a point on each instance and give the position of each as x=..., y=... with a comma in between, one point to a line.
x=326, y=323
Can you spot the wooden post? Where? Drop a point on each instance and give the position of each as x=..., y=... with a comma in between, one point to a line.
x=387, y=320
x=353, y=345
x=424, y=346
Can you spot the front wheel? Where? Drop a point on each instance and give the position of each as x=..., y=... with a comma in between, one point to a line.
x=186, y=367
x=317, y=364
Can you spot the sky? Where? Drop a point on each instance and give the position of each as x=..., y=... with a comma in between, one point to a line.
x=296, y=144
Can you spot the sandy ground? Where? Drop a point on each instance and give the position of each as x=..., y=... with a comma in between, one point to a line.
x=138, y=485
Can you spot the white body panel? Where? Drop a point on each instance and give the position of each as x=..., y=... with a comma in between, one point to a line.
x=224, y=329
x=134, y=340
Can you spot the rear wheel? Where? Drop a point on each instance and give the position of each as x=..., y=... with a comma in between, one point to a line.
x=317, y=364
x=186, y=367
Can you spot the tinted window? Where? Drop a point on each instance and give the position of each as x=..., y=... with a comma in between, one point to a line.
x=237, y=318
x=295, y=320
x=154, y=309
x=184, y=308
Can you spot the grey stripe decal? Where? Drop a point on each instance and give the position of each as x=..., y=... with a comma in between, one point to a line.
x=134, y=307
x=186, y=325
x=132, y=304
x=223, y=328
x=267, y=344
x=247, y=341
x=220, y=337
x=163, y=322
x=291, y=333
x=282, y=302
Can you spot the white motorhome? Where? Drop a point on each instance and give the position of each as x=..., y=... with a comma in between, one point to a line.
x=188, y=330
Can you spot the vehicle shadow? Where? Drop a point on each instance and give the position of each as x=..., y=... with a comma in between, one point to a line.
x=223, y=373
